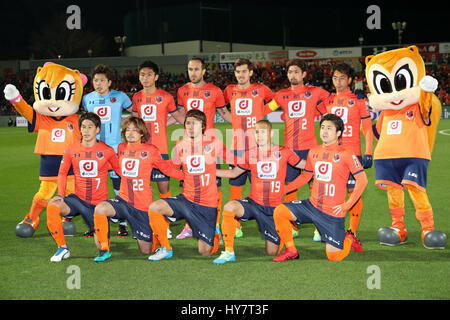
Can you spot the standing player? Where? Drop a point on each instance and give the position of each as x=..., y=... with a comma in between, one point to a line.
x=205, y=97
x=345, y=104
x=153, y=105
x=330, y=164
x=137, y=158
x=197, y=204
x=267, y=163
x=247, y=102
x=90, y=160
x=299, y=104
x=108, y=104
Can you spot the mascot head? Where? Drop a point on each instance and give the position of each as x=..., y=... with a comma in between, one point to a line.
x=393, y=78
x=57, y=90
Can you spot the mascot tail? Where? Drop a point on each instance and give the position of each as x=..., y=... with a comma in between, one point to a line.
x=431, y=110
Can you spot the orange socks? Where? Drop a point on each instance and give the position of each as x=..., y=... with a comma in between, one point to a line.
x=159, y=226
x=355, y=215
x=235, y=193
x=341, y=254
x=219, y=208
x=165, y=195
x=101, y=225
x=228, y=230
x=36, y=207
x=54, y=224
x=282, y=218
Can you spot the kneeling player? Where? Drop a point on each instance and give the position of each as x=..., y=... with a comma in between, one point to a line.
x=197, y=204
x=267, y=163
x=91, y=160
x=136, y=161
x=330, y=165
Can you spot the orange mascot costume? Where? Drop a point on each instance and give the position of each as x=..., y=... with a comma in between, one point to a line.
x=406, y=131
x=58, y=91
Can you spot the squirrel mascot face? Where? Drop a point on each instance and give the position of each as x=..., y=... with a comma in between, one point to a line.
x=393, y=78
x=57, y=90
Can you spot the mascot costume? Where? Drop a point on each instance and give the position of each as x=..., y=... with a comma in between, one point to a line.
x=58, y=91
x=406, y=131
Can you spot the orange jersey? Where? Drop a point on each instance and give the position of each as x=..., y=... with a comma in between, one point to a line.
x=299, y=105
x=154, y=109
x=247, y=108
x=330, y=166
x=54, y=135
x=198, y=160
x=90, y=166
x=268, y=170
x=352, y=111
x=403, y=135
x=206, y=99
x=137, y=161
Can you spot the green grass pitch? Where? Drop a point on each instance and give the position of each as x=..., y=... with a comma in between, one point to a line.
x=406, y=272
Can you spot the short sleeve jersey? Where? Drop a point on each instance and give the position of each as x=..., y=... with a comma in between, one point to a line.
x=352, y=111
x=247, y=108
x=299, y=107
x=207, y=99
x=90, y=166
x=109, y=108
x=268, y=171
x=154, y=109
x=331, y=166
x=54, y=134
x=137, y=161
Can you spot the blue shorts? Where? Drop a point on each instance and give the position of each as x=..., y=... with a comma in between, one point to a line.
x=157, y=175
x=201, y=219
x=399, y=172
x=263, y=216
x=291, y=172
x=331, y=229
x=242, y=179
x=138, y=219
x=351, y=179
x=49, y=166
x=80, y=207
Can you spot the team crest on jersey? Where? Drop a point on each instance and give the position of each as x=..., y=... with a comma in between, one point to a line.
x=158, y=99
x=113, y=99
x=254, y=93
x=144, y=154
x=206, y=94
x=100, y=155
x=277, y=155
x=351, y=102
x=409, y=114
x=336, y=157
x=70, y=126
x=207, y=148
x=307, y=94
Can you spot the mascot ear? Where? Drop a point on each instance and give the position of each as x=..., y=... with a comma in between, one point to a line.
x=368, y=58
x=84, y=79
x=47, y=63
x=413, y=49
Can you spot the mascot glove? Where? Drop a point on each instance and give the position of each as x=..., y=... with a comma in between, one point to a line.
x=11, y=92
x=367, y=161
x=428, y=84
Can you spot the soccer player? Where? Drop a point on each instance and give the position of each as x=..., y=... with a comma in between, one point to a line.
x=267, y=163
x=91, y=160
x=299, y=104
x=208, y=98
x=247, y=103
x=137, y=159
x=197, y=204
x=353, y=111
x=330, y=164
x=153, y=105
x=108, y=104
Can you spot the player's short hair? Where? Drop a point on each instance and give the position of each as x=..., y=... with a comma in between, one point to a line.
x=198, y=59
x=337, y=121
x=92, y=117
x=343, y=68
x=241, y=61
x=139, y=124
x=102, y=69
x=197, y=114
x=266, y=123
x=297, y=62
x=149, y=64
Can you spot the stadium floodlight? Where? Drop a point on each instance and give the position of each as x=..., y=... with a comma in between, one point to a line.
x=120, y=40
x=399, y=27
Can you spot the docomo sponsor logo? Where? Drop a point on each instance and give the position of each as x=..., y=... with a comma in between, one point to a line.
x=195, y=164
x=104, y=112
x=296, y=108
x=195, y=104
x=266, y=169
x=148, y=112
x=323, y=171
x=130, y=167
x=394, y=127
x=58, y=135
x=341, y=112
x=88, y=168
x=244, y=107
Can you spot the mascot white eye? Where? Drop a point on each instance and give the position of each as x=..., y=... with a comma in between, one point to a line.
x=381, y=83
x=43, y=90
x=65, y=91
x=403, y=78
